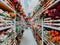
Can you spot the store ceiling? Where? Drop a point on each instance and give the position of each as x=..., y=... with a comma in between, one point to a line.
x=28, y=6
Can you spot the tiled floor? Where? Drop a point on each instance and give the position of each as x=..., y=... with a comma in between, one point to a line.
x=28, y=38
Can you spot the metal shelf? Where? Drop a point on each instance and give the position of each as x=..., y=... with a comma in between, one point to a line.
x=57, y=24
x=53, y=4
x=56, y=28
x=53, y=21
x=48, y=41
x=2, y=28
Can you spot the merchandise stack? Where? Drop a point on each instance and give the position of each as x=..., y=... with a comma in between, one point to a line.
x=7, y=22
x=48, y=18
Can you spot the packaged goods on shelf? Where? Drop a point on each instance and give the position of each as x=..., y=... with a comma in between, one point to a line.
x=7, y=22
x=50, y=17
x=5, y=34
x=53, y=36
x=37, y=32
x=52, y=24
x=12, y=14
x=4, y=4
x=6, y=30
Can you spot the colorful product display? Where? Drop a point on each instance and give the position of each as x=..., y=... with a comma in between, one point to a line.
x=44, y=22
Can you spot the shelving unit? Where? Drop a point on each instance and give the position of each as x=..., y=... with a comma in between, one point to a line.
x=49, y=24
x=5, y=6
x=6, y=39
x=7, y=23
x=42, y=9
x=2, y=28
x=53, y=21
x=41, y=25
x=49, y=6
x=47, y=41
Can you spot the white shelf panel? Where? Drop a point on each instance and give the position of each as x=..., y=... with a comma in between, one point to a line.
x=1, y=17
x=6, y=6
x=53, y=21
x=57, y=24
x=56, y=28
x=47, y=39
x=53, y=4
x=5, y=17
x=1, y=24
x=2, y=28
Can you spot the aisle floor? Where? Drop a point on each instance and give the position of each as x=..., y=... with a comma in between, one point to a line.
x=28, y=38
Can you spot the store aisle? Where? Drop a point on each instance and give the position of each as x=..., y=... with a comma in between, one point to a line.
x=28, y=38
